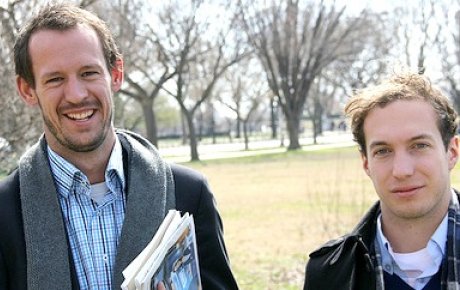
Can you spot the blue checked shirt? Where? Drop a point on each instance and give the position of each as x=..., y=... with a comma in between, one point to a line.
x=93, y=228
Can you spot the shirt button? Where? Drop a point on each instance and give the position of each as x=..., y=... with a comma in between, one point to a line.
x=387, y=268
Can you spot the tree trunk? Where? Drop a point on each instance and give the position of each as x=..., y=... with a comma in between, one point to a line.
x=184, y=128
x=317, y=121
x=213, y=126
x=150, y=121
x=246, y=137
x=293, y=126
x=238, y=125
x=273, y=119
x=315, y=130
x=192, y=137
x=200, y=124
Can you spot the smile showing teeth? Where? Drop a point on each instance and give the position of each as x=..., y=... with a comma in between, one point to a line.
x=80, y=116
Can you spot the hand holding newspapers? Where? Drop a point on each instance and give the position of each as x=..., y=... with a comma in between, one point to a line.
x=169, y=261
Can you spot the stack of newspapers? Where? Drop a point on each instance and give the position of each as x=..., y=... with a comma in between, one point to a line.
x=169, y=261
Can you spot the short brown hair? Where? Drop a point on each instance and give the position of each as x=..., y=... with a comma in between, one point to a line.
x=63, y=16
x=404, y=86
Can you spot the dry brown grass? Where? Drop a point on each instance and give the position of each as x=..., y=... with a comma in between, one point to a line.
x=278, y=208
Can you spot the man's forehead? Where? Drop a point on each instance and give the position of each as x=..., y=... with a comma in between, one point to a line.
x=57, y=31
x=401, y=119
x=51, y=43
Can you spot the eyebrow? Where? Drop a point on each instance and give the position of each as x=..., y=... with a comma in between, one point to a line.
x=91, y=66
x=415, y=138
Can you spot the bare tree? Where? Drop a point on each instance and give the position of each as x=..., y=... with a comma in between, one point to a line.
x=248, y=91
x=418, y=31
x=203, y=55
x=367, y=66
x=428, y=28
x=295, y=43
x=449, y=48
x=321, y=101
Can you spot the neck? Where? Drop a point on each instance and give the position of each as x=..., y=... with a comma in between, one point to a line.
x=92, y=163
x=410, y=235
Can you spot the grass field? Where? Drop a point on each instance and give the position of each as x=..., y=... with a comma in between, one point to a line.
x=278, y=208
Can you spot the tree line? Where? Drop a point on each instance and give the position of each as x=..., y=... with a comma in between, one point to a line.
x=300, y=58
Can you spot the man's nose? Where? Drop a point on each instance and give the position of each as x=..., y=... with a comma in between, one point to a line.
x=75, y=90
x=403, y=165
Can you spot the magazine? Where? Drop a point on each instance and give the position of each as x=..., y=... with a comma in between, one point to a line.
x=169, y=261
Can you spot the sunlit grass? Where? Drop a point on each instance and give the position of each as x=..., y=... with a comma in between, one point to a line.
x=277, y=208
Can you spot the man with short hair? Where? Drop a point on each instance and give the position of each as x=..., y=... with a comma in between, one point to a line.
x=410, y=239
x=87, y=198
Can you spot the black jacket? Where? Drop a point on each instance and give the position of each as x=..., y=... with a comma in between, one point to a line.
x=345, y=263
x=192, y=195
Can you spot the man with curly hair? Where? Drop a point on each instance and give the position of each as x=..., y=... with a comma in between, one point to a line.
x=410, y=239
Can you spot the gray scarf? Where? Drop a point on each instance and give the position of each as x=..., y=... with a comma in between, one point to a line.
x=150, y=194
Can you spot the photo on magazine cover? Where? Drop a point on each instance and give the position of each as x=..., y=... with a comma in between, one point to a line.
x=179, y=270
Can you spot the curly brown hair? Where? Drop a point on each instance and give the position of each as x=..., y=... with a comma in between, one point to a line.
x=403, y=86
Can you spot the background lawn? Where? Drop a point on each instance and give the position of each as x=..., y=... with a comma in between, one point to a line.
x=278, y=208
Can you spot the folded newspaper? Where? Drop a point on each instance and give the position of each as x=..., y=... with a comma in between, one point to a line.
x=169, y=261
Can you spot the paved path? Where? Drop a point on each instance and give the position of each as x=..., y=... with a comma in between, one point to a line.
x=230, y=150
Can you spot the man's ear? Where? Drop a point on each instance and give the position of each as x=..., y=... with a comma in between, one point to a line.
x=365, y=162
x=26, y=91
x=452, y=152
x=117, y=75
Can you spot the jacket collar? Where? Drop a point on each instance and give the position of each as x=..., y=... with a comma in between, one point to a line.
x=366, y=228
x=44, y=231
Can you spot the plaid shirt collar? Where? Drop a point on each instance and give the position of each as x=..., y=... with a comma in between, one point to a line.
x=450, y=266
x=67, y=176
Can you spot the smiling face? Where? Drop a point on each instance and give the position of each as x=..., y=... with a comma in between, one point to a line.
x=73, y=88
x=407, y=160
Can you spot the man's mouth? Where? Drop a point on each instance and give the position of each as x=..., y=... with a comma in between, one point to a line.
x=81, y=116
x=406, y=189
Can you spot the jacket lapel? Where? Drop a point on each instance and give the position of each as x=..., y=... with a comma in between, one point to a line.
x=45, y=236
x=150, y=194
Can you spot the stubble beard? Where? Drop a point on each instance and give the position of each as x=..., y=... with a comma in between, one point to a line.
x=69, y=143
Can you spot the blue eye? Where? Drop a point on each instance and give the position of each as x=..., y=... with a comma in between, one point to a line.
x=421, y=146
x=382, y=152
